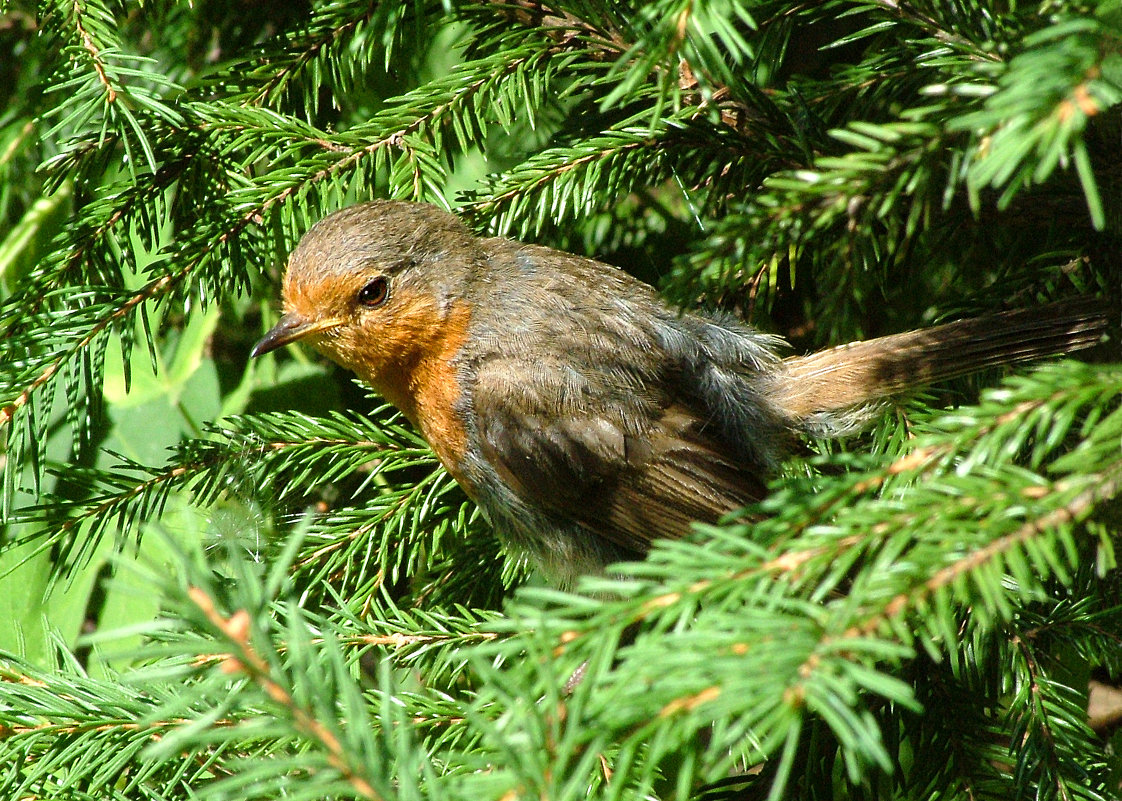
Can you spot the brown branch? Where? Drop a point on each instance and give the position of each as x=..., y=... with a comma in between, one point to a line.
x=236, y=628
x=573, y=33
x=906, y=11
x=1040, y=708
x=313, y=49
x=1107, y=488
x=90, y=46
x=166, y=282
x=151, y=290
x=566, y=29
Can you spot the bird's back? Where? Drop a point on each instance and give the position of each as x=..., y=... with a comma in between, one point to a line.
x=600, y=408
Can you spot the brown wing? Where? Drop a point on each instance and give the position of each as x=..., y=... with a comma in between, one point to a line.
x=628, y=487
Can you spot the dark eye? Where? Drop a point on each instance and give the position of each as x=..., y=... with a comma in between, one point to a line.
x=374, y=293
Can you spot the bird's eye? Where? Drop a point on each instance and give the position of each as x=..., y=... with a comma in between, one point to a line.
x=374, y=293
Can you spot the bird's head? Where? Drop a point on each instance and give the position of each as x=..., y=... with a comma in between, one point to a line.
x=378, y=288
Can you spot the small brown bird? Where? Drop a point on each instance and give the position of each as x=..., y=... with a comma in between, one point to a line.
x=585, y=416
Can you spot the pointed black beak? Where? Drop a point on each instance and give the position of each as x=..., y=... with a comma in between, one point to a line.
x=290, y=328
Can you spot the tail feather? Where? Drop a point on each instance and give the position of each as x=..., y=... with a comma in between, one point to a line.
x=859, y=373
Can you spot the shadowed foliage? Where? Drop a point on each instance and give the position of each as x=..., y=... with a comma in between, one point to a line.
x=235, y=579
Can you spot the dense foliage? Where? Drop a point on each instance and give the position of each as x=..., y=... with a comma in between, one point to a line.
x=236, y=580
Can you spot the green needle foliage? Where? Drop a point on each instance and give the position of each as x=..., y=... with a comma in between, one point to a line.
x=224, y=579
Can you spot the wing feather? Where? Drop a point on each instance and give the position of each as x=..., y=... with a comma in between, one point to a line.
x=629, y=486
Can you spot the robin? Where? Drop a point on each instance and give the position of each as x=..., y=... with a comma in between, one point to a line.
x=585, y=416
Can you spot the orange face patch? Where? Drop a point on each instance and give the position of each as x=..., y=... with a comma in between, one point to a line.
x=404, y=350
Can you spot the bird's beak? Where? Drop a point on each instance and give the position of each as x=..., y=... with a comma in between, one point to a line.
x=290, y=328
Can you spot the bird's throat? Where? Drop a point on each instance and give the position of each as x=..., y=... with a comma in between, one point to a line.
x=425, y=387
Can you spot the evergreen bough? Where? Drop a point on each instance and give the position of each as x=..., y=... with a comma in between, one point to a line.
x=237, y=581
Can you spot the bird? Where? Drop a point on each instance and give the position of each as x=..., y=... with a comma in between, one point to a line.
x=583, y=414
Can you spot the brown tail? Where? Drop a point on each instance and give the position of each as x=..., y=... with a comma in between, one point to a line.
x=862, y=372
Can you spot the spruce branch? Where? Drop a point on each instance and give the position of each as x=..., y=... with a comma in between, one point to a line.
x=238, y=455
x=798, y=623
x=316, y=610
x=331, y=30
x=943, y=29
x=244, y=659
x=1044, y=705
x=93, y=48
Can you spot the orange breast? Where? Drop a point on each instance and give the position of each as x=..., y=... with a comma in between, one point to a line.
x=404, y=350
x=437, y=393
x=425, y=387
